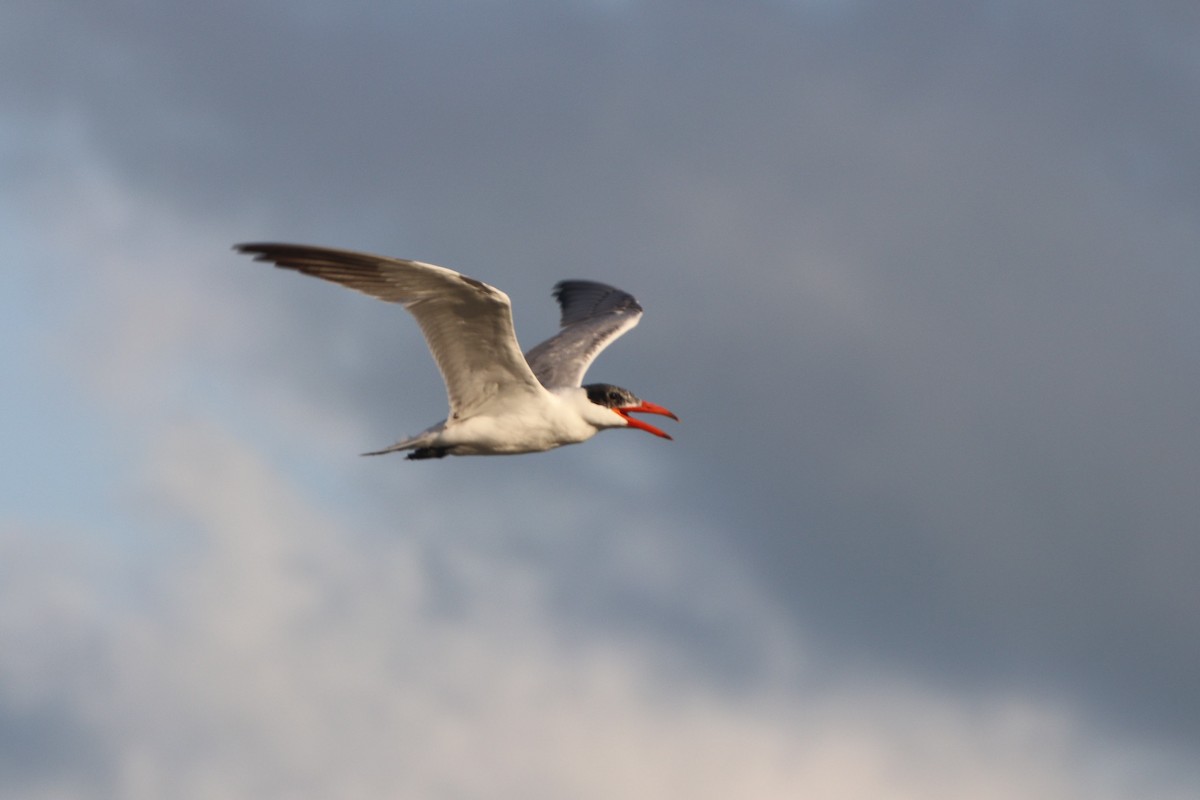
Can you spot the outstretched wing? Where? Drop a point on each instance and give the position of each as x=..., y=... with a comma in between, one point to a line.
x=467, y=323
x=593, y=316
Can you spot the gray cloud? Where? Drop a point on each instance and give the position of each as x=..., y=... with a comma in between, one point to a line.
x=287, y=651
x=920, y=283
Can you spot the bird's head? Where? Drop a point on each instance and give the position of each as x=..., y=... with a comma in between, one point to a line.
x=622, y=402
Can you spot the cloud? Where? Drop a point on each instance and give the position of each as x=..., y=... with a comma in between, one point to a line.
x=918, y=290
x=286, y=652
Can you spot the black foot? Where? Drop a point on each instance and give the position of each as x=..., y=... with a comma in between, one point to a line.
x=427, y=452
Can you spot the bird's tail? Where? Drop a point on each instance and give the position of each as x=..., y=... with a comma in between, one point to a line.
x=395, y=448
x=419, y=444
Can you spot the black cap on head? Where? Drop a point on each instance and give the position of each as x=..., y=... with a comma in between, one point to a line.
x=609, y=396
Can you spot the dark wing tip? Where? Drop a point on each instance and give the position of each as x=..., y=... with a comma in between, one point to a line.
x=360, y=271
x=256, y=247
x=311, y=259
x=273, y=251
x=252, y=248
x=582, y=300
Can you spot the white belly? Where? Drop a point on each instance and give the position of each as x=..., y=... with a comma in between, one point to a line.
x=518, y=432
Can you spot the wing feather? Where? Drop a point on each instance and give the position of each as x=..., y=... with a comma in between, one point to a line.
x=467, y=323
x=594, y=315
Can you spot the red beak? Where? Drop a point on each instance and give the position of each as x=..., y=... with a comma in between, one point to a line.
x=646, y=408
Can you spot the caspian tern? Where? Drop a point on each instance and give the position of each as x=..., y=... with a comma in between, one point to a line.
x=501, y=402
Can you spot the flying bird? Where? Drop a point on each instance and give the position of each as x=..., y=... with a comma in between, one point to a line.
x=501, y=402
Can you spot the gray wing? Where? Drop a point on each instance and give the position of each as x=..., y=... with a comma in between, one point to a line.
x=593, y=316
x=467, y=324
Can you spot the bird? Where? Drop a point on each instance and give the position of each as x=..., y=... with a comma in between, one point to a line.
x=502, y=402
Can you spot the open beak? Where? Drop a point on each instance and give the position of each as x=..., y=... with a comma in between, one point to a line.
x=646, y=408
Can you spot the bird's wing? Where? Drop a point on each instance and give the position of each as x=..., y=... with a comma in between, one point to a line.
x=593, y=316
x=467, y=324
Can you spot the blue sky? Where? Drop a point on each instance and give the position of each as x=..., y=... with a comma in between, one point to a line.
x=919, y=280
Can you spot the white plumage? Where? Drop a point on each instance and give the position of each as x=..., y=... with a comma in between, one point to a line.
x=501, y=402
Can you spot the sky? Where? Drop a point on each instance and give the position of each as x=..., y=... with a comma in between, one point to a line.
x=920, y=280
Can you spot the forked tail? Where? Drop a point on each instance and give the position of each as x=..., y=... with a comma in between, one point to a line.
x=417, y=444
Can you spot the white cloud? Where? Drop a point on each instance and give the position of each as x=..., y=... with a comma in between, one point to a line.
x=285, y=653
x=275, y=629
